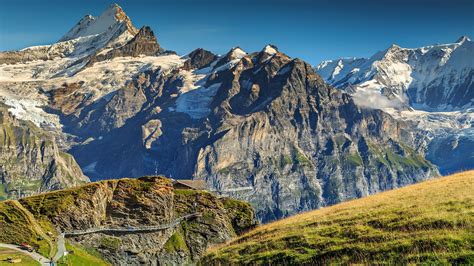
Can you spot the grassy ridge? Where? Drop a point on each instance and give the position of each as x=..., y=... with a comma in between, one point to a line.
x=430, y=222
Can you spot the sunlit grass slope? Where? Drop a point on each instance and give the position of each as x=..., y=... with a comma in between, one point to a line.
x=430, y=222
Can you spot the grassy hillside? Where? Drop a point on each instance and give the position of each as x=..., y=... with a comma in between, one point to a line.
x=430, y=222
x=79, y=256
x=9, y=253
x=16, y=228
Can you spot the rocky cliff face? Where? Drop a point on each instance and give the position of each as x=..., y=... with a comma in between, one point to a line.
x=30, y=160
x=262, y=127
x=147, y=201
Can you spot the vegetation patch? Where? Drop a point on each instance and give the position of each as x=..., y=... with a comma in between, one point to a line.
x=353, y=159
x=241, y=214
x=176, y=243
x=110, y=242
x=80, y=256
x=6, y=254
x=300, y=158
x=15, y=228
x=285, y=160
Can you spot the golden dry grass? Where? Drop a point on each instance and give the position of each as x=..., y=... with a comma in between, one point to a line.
x=431, y=222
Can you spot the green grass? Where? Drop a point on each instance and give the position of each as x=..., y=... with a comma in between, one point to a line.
x=410, y=158
x=81, y=257
x=3, y=194
x=300, y=158
x=25, y=260
x=16, y=229
x=354, y=159
x=176, y=243
x=285, y=160
x=110, y=243
x=428, y=223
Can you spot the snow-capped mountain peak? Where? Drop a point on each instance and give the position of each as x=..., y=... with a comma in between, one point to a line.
x=110, y=19
x=270, y=49
x=236, y=53
x=436, y=77
x=463, y=38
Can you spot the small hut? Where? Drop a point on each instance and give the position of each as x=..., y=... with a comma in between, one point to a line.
x=190, y=184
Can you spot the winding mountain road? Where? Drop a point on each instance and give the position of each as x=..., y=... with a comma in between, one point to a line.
x=61, y=243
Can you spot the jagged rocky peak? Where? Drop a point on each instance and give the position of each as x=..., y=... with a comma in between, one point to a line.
x=233, y=56
x=236, y=53
x=266, y=53
x=270, y=49
x=145, y=34
x=463, y=38
x=199, y=58
x=143, y=43
x=112, y=18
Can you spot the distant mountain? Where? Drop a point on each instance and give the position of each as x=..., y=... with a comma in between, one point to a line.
x=432, y=78
x=430, y=88
x=261, y=126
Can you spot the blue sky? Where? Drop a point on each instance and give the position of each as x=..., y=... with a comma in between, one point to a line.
x=311, y=30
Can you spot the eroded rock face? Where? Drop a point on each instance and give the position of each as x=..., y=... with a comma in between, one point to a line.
x=140, y=202
x=30, y=160
x=150, y=132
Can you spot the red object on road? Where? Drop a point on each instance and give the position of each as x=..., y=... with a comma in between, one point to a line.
x=27, y=247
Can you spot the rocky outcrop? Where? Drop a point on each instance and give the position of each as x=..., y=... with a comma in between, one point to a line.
x=198, y=59
x=30, y=160
x=151, y=131
x=147, y=201
x=144, y=43
x=13, y=57
x=68, y=98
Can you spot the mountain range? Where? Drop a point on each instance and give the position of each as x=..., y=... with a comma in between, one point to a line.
x=261, y=126
x=430, y=87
